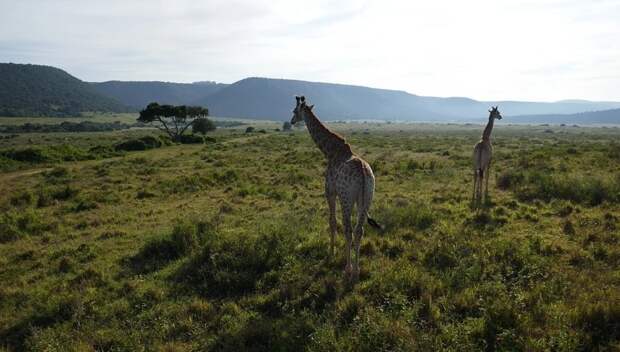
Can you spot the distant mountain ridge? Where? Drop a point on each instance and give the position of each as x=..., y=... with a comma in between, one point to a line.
x=36, y=90
x=27, y=90
x=266, y=98
x=138, y=94
x=603, y=117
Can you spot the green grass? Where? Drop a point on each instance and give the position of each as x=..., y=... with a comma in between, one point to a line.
x=224, y=246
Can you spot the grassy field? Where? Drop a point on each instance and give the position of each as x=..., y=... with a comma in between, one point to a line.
x=223, y=246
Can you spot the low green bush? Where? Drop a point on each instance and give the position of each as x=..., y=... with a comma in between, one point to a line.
x=185, y=238
x=416, y=215
x=16, y=225
x=235, y=265
x=191, y=139
x=530, y=185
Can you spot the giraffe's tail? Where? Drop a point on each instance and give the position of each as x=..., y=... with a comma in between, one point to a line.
x=374, y=223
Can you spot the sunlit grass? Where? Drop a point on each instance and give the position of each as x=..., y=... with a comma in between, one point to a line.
x=223, y=246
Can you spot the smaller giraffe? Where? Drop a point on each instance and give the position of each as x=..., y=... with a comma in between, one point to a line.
x=348, y=178
x=483, y=152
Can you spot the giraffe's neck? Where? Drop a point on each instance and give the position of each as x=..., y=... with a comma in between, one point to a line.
x=486, y=135
x=331, y=144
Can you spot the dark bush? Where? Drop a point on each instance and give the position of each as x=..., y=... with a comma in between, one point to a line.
x=130, y=145
x=600, y=320
x=31, y=155
x=16, y=225
x=234, y=266
x=25, y=198
x=509, y=179
x=191, y=139
x=202, y=125
x=151, y=142
x=143, y=143
x=185, y=238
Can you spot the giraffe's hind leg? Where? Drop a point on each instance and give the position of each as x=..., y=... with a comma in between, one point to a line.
x=347, y=206
x=359, y=233
x=474, y=193
x=480, y=186
x=486, y=188
x=333, y=224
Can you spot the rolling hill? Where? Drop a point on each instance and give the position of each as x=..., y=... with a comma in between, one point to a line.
x=139, y=94
x=34, y=90
x=603, y=117
x=264, y=98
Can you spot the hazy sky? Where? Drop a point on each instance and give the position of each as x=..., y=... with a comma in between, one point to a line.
x=534, y=49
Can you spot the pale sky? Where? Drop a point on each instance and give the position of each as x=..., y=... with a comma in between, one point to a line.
x=540, y=50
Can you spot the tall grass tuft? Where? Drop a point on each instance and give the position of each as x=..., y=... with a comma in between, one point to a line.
x=530, y=185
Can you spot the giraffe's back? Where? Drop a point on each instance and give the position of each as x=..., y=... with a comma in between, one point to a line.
x=355, y=181
x=482, y=155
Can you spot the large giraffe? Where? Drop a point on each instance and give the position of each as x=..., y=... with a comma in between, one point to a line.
x=348, y=178
x=483, y=152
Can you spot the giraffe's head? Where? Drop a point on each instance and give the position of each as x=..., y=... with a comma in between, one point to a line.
x=494, y=113
x=300, y=109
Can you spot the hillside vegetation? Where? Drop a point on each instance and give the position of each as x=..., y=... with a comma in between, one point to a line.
x=139, y=94
x=34, y=90
x=31, y=90
x=223, y=246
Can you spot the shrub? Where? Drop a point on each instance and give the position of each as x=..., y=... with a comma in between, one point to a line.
x=25, y=198
x=46, y=196
x=249, y=129
x=16, y=225
x=143, y=194
x=234, y=265
x=84, y=204
x=600, y=320
x=30, y=155
x=143, y=143
x=202, y=125
x=403, y=283
x=592, y=190
x=416, y=215
x=509, y=178
x=151, y=142
x=184, y=239
x=57, y=172
x=191, y=139
x=130, y=145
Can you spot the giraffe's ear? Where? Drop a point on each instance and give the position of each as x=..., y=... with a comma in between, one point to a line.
x=310, y=107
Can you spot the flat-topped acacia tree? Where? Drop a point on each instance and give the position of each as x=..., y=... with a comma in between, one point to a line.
x=174, y=120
